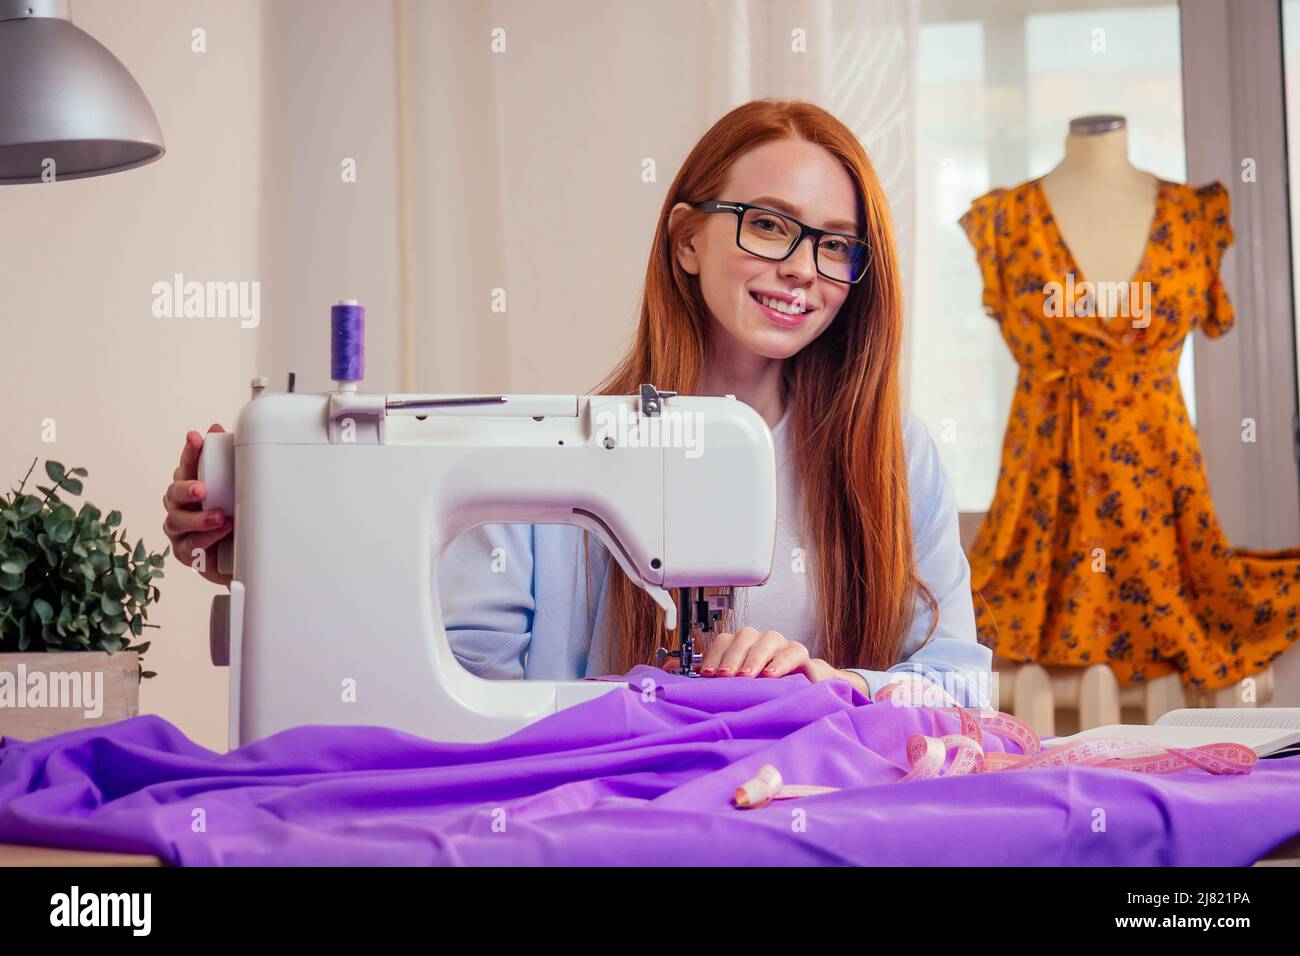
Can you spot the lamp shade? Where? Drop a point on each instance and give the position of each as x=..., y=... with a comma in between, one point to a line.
x=65, y=98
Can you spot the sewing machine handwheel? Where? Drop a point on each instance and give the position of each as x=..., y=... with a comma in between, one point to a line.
x=217, y=471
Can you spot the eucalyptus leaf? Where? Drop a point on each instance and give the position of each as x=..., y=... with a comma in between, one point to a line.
x=69, y=577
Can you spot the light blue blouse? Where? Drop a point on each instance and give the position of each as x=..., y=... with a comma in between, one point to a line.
x=515, y=600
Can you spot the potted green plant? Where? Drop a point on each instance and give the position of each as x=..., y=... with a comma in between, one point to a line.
x=74, y=595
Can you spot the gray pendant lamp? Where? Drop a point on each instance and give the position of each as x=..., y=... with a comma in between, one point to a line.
x=64, y=97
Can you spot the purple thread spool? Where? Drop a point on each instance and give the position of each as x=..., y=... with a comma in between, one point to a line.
x=347, y=341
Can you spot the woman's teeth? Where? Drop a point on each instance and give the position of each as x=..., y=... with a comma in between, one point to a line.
x=780, y=305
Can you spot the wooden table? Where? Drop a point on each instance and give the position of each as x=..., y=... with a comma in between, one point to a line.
x=14, y=855
x=11, y=855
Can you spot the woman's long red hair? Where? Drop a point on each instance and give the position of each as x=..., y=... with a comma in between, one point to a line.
x=846, y=418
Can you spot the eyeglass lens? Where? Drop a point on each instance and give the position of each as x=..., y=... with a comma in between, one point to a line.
x=771, y=236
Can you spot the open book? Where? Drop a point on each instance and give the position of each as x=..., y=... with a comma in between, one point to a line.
x=1270, y=731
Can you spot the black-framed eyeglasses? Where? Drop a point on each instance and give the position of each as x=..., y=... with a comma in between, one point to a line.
x=774, y=235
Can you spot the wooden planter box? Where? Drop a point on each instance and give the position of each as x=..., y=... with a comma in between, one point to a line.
x=47, y=693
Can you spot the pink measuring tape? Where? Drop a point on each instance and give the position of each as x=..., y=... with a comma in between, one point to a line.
x=928, y=755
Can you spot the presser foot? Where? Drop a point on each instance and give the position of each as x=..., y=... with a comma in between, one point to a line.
x=703, y=609
x=671, y=661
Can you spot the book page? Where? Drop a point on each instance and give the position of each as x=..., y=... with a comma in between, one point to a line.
x=1261, y=740
x=1278, y=718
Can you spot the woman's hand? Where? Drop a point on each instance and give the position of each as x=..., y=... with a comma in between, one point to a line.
x=753, y=653
x=187, y=525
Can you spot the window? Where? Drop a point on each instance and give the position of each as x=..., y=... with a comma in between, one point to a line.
x=997, y=87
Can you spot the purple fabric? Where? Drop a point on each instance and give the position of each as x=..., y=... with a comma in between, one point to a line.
x=622, y=780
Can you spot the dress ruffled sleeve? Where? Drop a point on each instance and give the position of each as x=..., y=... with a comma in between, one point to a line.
x=981, y=223
x=1218, y=314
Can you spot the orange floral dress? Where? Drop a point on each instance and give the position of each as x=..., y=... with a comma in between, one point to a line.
x=1101, y=544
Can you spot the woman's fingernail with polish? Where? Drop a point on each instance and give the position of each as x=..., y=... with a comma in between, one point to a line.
x=747, y=670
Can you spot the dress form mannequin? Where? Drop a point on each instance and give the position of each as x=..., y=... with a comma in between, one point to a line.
x=1100, y=458
x=1102, y=203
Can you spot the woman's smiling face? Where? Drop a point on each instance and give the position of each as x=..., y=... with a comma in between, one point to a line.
x=792, y=176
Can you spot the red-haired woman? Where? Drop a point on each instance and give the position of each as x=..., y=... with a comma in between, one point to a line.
x=773, y=277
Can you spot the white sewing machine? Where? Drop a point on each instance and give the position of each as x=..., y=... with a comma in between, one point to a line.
x=345, y=503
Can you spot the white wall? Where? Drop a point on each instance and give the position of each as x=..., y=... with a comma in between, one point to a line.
x=78, y=340
x=328, y=96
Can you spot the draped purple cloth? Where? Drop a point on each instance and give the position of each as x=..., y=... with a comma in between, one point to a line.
x=626, y=779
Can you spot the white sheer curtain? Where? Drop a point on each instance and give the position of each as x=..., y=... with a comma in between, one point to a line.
x=539, y=140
